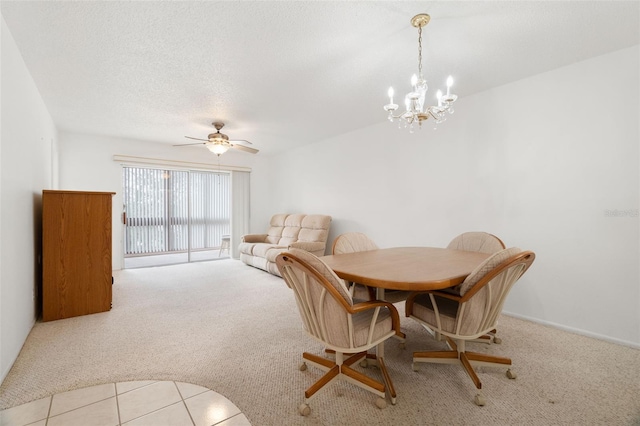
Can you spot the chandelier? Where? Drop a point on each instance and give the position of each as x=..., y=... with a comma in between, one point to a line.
x=414, y=101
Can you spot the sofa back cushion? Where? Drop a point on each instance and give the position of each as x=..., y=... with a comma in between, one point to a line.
x=285, y=229
x=292, y=225
x=315, y=228
x=274, y=233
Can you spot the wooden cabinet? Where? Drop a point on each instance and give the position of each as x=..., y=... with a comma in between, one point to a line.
x=76, y=253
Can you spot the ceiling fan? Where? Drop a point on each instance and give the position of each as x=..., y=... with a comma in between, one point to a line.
x=219, y=143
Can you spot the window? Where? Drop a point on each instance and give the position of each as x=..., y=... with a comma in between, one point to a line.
x=175, y=211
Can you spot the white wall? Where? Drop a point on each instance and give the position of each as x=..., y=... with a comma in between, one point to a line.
x=538, y=162
x=86, y=164
x=27, y=139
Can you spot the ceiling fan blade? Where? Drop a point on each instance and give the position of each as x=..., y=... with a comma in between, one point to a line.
x=189, y=144
x=240, y=140
x=197, y=139
x=244, y=148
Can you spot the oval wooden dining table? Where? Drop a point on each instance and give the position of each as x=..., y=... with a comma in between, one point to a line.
x=406, y=268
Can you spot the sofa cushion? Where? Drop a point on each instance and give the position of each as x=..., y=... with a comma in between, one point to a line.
x=314, y=227
x=274, y=233
x=291, y=229
x=314, y=247
x=273, y=252
x=261, y=249
x=272, y=268
x=246, y=248
x=256, y=262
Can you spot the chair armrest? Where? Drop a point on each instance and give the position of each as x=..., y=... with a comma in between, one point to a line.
x=446, y=295
x=254, y=238
x=372, y=304
x=310, y=246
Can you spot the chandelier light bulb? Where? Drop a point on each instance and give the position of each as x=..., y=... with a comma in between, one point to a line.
x=390, y=92
x=449, y=84
x=439, y=97
x=414, y=81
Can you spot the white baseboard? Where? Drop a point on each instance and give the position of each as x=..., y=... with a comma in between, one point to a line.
x=635, y=345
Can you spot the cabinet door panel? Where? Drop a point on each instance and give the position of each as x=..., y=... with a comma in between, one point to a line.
x=76, y=253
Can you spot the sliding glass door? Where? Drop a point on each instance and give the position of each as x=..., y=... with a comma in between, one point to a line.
x=174, y=215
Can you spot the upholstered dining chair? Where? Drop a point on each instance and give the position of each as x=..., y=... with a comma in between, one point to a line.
x=470, y=313
x=482, y=242
x=330, y=316
x=351, y=242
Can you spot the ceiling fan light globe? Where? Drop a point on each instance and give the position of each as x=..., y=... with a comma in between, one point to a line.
x=217, y=148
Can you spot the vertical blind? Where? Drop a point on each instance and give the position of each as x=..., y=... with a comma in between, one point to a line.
x=174, y=211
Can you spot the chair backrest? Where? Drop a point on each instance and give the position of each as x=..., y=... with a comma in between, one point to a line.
x=482, y=242
x=322, y=297
x=484, y=291
x=352, y=242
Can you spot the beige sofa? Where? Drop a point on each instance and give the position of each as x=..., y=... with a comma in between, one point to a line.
x=306, y=232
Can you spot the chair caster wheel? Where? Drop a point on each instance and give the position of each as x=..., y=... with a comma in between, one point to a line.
x=479, y=400
x=381, y=403
x=497, y=340
x=414, y=366
x=302, y=366
x=364, y=363
x=304, y=409
x=402, y=345
x=511, y=374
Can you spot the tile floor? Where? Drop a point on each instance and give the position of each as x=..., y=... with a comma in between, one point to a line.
x=143, y=403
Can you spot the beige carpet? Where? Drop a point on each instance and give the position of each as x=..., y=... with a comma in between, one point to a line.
x=235, y=329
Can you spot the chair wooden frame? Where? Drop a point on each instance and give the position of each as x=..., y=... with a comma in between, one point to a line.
x=316, y=326
x=510, y=270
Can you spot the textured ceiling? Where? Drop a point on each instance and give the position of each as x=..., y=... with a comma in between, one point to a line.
x=282, y=74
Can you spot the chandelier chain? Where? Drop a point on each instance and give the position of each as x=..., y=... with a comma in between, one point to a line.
x=420, y=52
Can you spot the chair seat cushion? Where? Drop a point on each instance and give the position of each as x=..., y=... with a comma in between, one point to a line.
x=423, y=310
x=362, y=320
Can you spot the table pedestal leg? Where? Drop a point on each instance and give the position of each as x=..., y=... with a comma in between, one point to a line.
x=380, y=359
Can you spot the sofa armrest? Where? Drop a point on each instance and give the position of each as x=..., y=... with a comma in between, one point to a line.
x=310, y=246
x=254, y=238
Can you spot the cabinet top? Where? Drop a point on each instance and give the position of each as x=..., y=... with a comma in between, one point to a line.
x=56, y=191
